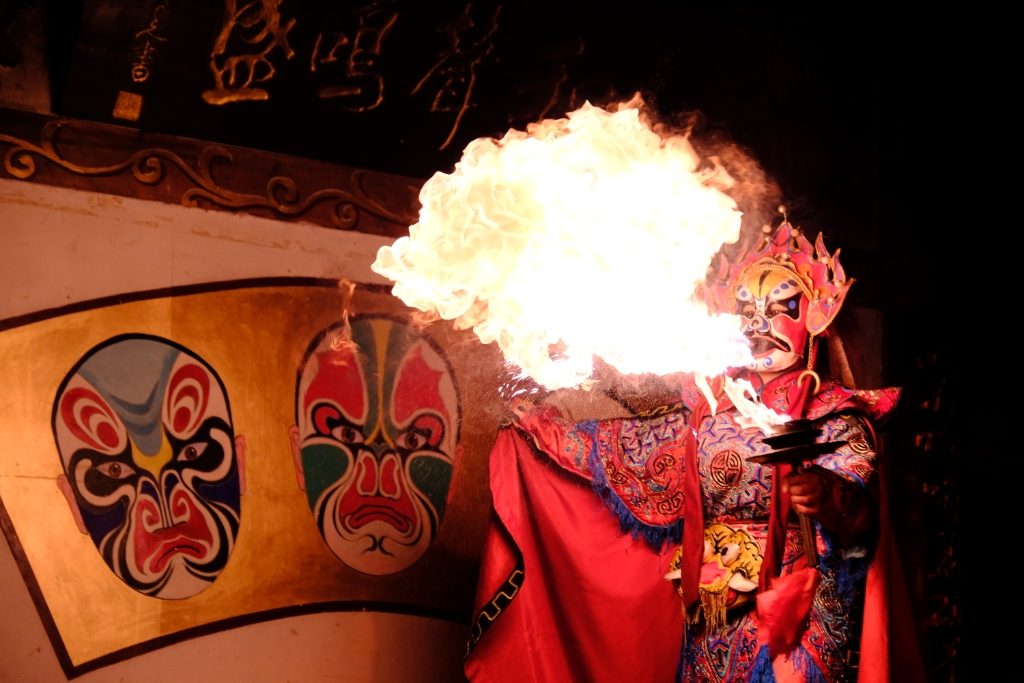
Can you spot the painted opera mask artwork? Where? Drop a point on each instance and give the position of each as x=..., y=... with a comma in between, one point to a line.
x=376, y=441
x=153, y=471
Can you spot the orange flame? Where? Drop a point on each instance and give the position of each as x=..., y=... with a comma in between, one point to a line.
x=588, y=236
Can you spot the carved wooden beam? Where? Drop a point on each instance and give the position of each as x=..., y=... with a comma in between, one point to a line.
x=123, y=161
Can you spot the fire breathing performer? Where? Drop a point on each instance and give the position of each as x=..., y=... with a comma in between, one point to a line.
x=753, y=607
x=739, y=563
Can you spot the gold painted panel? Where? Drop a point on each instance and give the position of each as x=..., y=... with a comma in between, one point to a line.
x=254, y=338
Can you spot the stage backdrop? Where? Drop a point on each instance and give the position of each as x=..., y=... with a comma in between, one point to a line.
x=198, y=458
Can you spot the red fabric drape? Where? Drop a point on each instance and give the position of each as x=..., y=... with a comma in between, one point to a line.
x=889, y=644
x=592, y=604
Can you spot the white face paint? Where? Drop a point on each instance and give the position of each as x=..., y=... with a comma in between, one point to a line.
x=774, y=309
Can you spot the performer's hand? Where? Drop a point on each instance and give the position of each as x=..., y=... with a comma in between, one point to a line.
x=807, y=491
x=821, y=495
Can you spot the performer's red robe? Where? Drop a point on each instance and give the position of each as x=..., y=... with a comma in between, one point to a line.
x=565, y=595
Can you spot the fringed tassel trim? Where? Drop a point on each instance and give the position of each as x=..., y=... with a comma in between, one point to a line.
x=655, y=536
x=850, y=570
x=805, y=664
x=713, y=606
x=799, y=660
x=762, y=671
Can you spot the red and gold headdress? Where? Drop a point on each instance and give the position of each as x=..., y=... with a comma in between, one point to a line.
x=818, y=274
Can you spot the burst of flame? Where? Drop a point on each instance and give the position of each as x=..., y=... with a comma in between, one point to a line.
x=751, y=412
x=585, y=236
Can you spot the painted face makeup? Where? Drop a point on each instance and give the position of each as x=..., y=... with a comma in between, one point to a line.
x=774, y=309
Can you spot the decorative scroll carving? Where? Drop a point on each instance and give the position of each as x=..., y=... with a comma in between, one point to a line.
x=282, y=196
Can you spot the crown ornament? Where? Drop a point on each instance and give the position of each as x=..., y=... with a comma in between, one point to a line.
x=819, y=274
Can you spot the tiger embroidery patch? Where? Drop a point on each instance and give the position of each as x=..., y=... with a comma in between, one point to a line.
x=729, y=572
